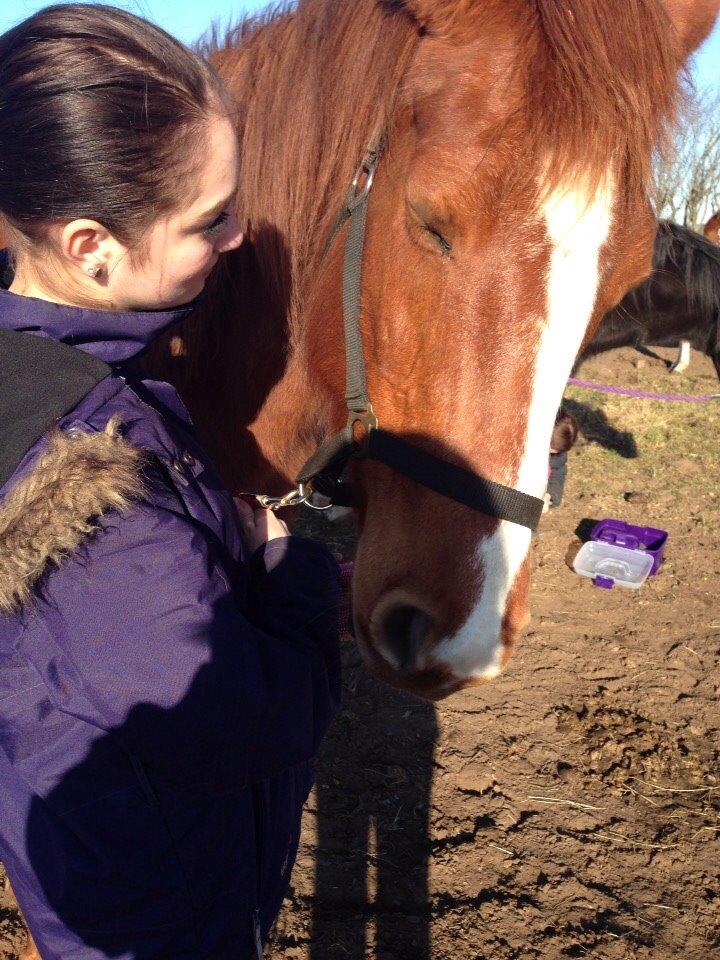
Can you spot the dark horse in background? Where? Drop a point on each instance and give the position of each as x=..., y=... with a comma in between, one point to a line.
x=509, y=212
x=680, y=300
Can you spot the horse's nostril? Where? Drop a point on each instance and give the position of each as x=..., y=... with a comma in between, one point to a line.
x=404, y=629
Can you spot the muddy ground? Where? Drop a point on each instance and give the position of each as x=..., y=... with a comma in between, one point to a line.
x=572, y=807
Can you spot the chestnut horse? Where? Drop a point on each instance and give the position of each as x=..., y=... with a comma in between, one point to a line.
x=712, y=228
x=518, y=136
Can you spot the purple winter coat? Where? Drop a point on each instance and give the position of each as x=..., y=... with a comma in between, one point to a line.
x=161, y=697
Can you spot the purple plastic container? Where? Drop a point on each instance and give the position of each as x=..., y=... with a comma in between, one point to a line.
x=647, y=539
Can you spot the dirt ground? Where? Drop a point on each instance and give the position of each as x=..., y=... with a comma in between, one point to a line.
x=571, y=808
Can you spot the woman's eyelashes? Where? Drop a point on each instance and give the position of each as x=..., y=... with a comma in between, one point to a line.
x=217, y=224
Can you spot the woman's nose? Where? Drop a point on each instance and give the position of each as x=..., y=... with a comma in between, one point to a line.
x=233, y=236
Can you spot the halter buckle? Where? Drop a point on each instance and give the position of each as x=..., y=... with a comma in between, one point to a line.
x=364, y=416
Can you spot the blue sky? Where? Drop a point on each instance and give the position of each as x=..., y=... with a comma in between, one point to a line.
x=187, y=19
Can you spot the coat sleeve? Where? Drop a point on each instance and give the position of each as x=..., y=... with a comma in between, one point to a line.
x=145, y=636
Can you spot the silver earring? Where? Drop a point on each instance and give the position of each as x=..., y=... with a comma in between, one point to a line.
x=93, y=271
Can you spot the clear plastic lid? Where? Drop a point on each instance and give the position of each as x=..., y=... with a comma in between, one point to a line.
x=627, y=568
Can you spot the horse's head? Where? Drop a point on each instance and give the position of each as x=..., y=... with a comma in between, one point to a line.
x=508, y=214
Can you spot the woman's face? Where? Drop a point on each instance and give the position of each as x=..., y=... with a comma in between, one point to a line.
x=183, y=247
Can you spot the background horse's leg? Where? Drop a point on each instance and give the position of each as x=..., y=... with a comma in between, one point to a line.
x=682, y=361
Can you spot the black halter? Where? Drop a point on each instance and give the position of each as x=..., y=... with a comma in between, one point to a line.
x=322, y=471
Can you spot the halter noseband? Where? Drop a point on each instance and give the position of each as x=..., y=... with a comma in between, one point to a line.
x=321, y=473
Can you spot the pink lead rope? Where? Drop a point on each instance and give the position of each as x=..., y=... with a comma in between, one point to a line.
x=643, y=394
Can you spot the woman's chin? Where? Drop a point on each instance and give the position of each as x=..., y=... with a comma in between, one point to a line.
x=189, y=291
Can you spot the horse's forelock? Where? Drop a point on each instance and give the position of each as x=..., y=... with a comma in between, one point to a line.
x=597, y=86
x=595, y=83
x=602, y=88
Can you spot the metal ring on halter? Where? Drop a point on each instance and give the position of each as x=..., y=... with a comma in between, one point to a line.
x=317, y=506
x=367, y=167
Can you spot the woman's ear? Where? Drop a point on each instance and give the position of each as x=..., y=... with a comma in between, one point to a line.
x=88, y=245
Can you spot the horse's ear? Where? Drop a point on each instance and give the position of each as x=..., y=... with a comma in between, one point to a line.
x=711, y=230
x=693, y=19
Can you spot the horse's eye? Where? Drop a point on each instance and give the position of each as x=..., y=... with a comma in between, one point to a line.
x=445, y=246
x=423, y=218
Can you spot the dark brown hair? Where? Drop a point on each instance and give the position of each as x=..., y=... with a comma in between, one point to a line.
x=565, y=432
x=100, y=114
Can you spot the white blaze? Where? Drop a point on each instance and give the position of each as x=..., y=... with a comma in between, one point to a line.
x=577, y=228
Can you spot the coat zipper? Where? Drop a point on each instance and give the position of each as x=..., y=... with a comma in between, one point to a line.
x=258, y=935
x=257, y=932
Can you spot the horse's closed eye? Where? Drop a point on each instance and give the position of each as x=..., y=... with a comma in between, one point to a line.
x=422, y=222
x=445, y=245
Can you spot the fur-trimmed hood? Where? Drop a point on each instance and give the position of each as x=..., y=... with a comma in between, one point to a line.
x=52, y=356
x=54, y=507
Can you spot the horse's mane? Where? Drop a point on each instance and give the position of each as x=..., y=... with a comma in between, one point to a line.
x=313, y=83
x=693, y=259
x=315, y=80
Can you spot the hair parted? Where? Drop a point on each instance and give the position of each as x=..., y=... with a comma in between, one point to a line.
x=100, y=116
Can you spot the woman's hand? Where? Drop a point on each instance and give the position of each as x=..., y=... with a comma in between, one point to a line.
x=258, y=525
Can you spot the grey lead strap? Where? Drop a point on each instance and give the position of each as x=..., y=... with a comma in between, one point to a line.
x=337, y=226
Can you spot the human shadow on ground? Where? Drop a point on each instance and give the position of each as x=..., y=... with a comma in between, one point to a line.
x=596, y=428
x=373, y=803
x=373, y=792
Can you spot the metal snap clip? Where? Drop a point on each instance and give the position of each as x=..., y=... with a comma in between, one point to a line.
x=188, y=459
x=180, y=471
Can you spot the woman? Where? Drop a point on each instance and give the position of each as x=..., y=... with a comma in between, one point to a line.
x=168, y=658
